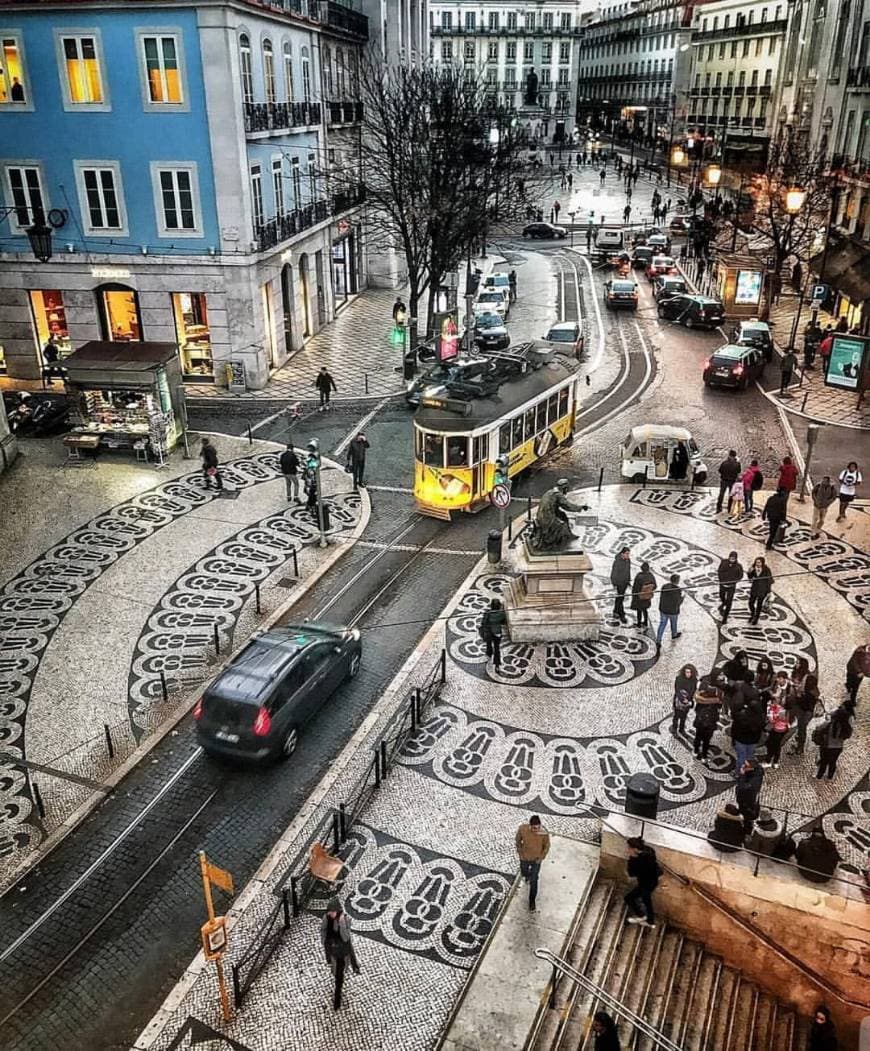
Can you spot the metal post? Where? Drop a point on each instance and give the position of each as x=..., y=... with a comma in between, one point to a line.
x=342, y=821
x=322, y=541
x=645, y=475
x=257, y=594
x=812, y=435
x=383, y=759
x=443, y=665
x=804, y=402
x=415, y=707
x=336, y=842
x=37, y=798
x=600, y=478
x=510, y=528
x=250, y=436
x=377, y=768
x=217, y=640
x=529, y=510
x=285, y=901
x=294, y=894
x=109, y=745
x=237, y=986
x=553, y=981
x=295, y=562
x=366, y=378
x=164, y=689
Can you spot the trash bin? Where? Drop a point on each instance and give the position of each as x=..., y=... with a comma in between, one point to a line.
x=409, y=362
x=493, y=546
x=326, y=521
x=642, y=796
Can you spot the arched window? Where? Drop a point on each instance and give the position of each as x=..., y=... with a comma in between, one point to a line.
x=326, y=59
x=306, y=75
x=245, y=68
x=288, y=72
x=269, y=71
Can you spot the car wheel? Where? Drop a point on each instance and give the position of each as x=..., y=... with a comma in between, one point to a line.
x=662, y=314
x=291, y=739
x=690, y=322
x=701, y=477
x=353, y=667
x=637, y=478
x=527, y=236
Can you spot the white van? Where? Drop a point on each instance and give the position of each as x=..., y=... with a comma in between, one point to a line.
x=648, y=453
x=611, y=240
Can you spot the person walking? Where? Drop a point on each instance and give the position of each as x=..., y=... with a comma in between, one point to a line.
x=685, y=687
x=644, y=868
x=826, y=345
x=289, y=464
x=760, y=588
x=822, y=1035
x=210, y=468
x=824, y=494
x=774, y=514
x=708, y=702
x=729, y=472
x=604, y=1031
x=747, y=792
x=788, y=476
x=512, y=286
x=830, y=736
x=642, y=592
x=356, y=459
x=533, y=845
x=601, y=176
x=335, y=936
x=857, y=666
x=400, y=311
x=849, y=480
x=786, y=368
x=556, y=209
x=670, y=600
x=325, y=385
x=492, y=629
x=730, y=573
x=803, y=707
x=747, y=727
x=626, y=213
x=620, y=578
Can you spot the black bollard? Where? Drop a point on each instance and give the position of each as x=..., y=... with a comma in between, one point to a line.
x=164, y=688
x=37, y=798
x=217, y=641
x=257, y=594
x=109, y=745
x=600, y=478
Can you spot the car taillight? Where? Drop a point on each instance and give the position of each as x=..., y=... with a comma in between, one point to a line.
x=701, y=313
x=707, y=364
x=263, y=723
x=197, y=710
x=738, y=370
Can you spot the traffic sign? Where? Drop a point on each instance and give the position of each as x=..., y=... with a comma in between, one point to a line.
x=214, y=938
x=820, y=293
x=500, y=497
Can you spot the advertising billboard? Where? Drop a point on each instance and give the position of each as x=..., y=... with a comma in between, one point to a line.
x=748, y=289
x=847, y=362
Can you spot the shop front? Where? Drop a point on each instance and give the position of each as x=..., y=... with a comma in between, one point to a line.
x=49, y=325
x=345, y=263
x=190, y=311
x=125, y=396
x=120, y=317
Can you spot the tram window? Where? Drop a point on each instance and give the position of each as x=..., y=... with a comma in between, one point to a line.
x=504, y=438
x=552, y=409
x=480, y=447
x=540, y=417
x=530, y=423
x=418, y=445
x=457, y=451
x=516, y=431
x=563, y=402
x=434, y=451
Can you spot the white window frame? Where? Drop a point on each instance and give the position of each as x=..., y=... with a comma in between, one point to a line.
x=270, y=81
x=296, y=182
x=75, y=32
x=79, y=167
x=289, y=78
x=162, y=107
x=255, y=174
x=305, y=60
x=12, y=218
x=280, y=198
x=246, y=76
x=27, y=105
x=192, y=170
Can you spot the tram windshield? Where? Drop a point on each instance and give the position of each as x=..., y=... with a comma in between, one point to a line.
x=437, y=451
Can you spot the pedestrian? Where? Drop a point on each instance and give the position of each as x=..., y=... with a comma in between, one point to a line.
x=642, y=592
x=747, y=792
x=708, y=703
x=670, y=600
x=685, y=687
x=765, y=835
x=788, y=476
x=830, y=736
x=601, y=176
x=857, y=667
x=620, y=578
x=512, y=286
x=849, y=480
x=797, y=275
x=786, y=367
x=604, y=1029
x=735, y=500
x=533, y=845
x=774, y=514
x=337, y=943
x=824, y=494
x=803, y=707
x=492, y=629
x=842, y=325
x=729, y=472
x=825, y=347
x=356, y=459
x=626, y=212
x=564, y=181
x=556, y=209
x=570, y=180
x=817, y=857
x=728, y=832
x=581, y=159
x=325, y=385
x=588, y=238
x=759, y=589
x=778, y=725
x=730, y=573
x=311, y=496
x=289, y=464
x=400, y=311
x=644, y=868
x=210, y=469
x=753, y=480
x=823, y=1032
x=764, y=677
x=747, y=728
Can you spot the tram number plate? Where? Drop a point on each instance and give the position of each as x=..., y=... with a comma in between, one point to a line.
x=500, y=496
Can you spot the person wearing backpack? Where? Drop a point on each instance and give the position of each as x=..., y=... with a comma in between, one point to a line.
x=830, y=736
x=642, y=592
x=491, y=630
x=708, y=701
x=803, y=705
x=753, y=480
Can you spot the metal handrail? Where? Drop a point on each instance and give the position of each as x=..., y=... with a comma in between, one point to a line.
x=610, y=1002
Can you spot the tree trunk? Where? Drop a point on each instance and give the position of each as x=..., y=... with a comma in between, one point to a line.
x=413, y=303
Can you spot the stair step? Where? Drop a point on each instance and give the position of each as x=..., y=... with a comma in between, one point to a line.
x=801, y=1033
x=765, y=1020
x=782, y=1036
x=701, y=1003
x=659, y=994
x=718, y=1033
x=636, y=996
x=684, y=978
x=742, y=1018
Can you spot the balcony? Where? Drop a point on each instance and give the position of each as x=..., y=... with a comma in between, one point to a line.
x=345, y=199
x=346, y=112
x=858, y=77
x=280, y=116
x=345, y=19
x=732, y=32
x=283, y=227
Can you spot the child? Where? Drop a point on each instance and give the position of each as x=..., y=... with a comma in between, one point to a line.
x=737, y=498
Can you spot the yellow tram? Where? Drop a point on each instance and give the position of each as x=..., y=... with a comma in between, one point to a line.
x=519, y=404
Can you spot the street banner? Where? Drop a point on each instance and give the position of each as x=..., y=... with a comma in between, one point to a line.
x=846, y=365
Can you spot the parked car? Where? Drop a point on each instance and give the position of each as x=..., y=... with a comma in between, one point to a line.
x=733, y=366
x=621, y=292
x=642, y=257
x=491, y=301
x=692, y=311
x=566, y=337
x=754, y=333
x=500, y=280
x=257, y=706
x=36, y=414
x=609, y=239
x=681, y=224
x=490, y=332
x=661, y=264
x=457, y=369
x=545, y=232
x=666, y=285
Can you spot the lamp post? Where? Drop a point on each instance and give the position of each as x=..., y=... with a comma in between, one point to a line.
x=795, y=198
x=40, y=230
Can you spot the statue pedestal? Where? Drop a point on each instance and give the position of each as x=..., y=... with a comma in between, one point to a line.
x=548, y=600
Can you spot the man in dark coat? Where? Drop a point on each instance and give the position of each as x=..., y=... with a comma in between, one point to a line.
x=774, y=514
x=356, y=459
x=747, y=726
x=620, y=578
x=643, y=867
x=208, y=455
x=747, y=792
x=289, y=464
x=729, y=470
x=730, y=572
x=492, y=625
x=325, y=385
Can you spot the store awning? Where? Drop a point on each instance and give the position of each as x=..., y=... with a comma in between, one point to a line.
x=99, y=356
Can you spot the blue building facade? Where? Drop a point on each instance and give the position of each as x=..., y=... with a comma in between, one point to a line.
x=186, y=149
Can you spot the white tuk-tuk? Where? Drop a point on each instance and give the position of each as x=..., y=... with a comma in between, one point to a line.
x=650, y=452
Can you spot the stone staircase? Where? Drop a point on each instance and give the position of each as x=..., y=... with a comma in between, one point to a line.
x=667, y=979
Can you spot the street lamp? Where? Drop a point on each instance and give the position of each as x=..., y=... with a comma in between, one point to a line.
x=39, y=232
x=678, y=157
x=795, y=199
x=714, y=174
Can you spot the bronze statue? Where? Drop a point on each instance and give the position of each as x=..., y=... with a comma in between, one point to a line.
x=530, y=98
x=552, y=526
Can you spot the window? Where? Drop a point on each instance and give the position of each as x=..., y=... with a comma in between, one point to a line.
x=758, y=46
x=528, y=51
x=545, y=78
x=492, y=20
x=510, y=78
x=269, y=71
x=511, y=51
x=447, y=51
x=565, y=20
x=278, y=185
x=547, y=52
x=469, y=50
x=745, y=48
x=768, y=76
x=564, y=52
x=245, y=69
x=721, y=51
x=491, y=76
x=192, y=332
x=470, y=20
x=446, y=19
x=177, y=195
x=296, y=182
x=563, y=76
x=733, y=49
x=257, y=196
x=492, y=51
x=512, y=20
x=548, y=21
x=312, y=177
x=326, y=66
x=24, y=195
x=162, y=73
x=306, y=75
x=288, y=72
x=12, y=84
x=101, y=198
x=81, y=78
x=49, y=321
x=771, y=47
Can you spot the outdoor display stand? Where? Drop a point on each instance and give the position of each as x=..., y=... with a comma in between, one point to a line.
x=127, y=396
x=739, y=283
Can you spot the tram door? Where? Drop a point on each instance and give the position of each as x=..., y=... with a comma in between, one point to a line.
x=479, y=448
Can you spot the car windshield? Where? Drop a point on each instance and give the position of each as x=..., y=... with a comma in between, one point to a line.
x=727, y=355
x=489, y=321
x=663, y=260
x=755, y=331
x=497, y=280
x=561, y=335
x=490, y=297
x=623, y=286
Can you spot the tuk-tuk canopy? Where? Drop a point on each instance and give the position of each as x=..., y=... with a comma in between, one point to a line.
x=650, y=432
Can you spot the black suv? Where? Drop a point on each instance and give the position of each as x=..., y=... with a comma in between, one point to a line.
x=733, y=366
x=490, y=332
x=692, y=311
x=754, y=333
x=458, y=369
x=256, y=706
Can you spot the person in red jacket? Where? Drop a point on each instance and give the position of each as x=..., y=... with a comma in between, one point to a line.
x=788, y=476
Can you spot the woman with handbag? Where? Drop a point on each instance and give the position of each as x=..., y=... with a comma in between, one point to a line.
x=642, y=592
x=337, y=945
x=777, y=727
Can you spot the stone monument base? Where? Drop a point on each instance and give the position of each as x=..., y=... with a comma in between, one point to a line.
x=547, y=601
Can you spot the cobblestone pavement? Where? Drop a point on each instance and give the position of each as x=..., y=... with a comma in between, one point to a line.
x=558, y=728
x=95, y=606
